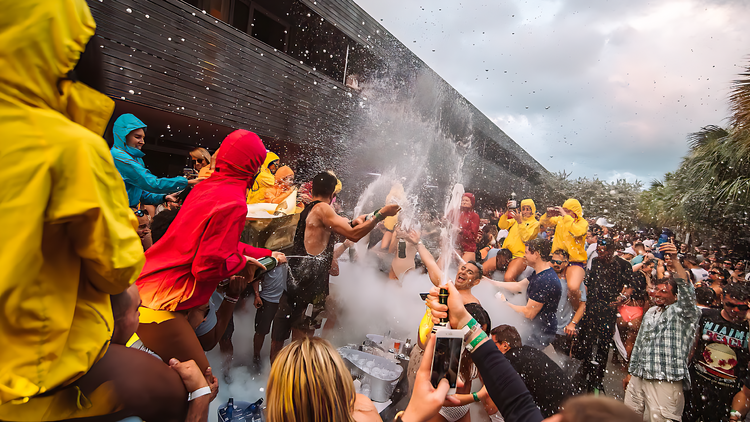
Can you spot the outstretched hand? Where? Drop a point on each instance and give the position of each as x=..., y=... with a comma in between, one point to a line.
x=390, y=210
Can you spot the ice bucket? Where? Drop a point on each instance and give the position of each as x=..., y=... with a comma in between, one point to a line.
x=379, y=373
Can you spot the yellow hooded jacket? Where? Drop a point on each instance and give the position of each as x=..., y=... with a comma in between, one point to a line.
x=570, y=234
x=518, y=234
x=70, y=237
x=264, y=181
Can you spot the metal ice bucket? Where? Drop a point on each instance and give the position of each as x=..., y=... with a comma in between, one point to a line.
x=381, y=387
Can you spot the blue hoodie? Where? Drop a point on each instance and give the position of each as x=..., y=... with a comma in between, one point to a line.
x=141, y=185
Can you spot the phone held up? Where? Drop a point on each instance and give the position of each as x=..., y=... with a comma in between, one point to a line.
x=447, y=357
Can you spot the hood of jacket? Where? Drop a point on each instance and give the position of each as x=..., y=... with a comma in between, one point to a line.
x=471, y=198
x=125, y=124
x=270, y=158
x=240, y=157
x=42, y=41
x=530, y=202
x=575, y=206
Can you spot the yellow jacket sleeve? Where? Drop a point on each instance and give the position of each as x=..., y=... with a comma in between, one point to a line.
x=576, y=228
x=504, y=223
x=528, y=229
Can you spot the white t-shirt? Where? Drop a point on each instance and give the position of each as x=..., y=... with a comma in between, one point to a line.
x=700, y=274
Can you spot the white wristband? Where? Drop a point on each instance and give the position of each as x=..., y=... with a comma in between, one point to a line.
x=199, y=393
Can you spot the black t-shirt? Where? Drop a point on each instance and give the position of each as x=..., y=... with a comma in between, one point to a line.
x=546, y=381
x=721, y=355
x=605, y=280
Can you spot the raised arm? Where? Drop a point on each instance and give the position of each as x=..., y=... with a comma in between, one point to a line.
x=342, y=226
x=433, y=269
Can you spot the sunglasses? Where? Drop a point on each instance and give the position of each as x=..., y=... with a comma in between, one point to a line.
x=139, y=213
x=742, y=307
x=556, y=262
x=715, y=273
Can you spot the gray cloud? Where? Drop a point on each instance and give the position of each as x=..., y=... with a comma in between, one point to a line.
x=596, y=88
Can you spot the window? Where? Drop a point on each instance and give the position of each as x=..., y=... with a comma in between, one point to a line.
x=268, y=29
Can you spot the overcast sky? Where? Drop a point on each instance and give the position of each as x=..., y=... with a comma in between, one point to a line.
x=605, y=89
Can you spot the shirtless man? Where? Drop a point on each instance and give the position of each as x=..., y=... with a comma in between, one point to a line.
x=307, y=288
x=469, y=273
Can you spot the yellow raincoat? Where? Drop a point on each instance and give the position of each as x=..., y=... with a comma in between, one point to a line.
x=69, y=239
x=570, y=234
x=518, y=234
x=264, y=181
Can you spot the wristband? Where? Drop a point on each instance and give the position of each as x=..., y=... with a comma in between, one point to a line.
x=199, y=393
x=472, y=322
x=231, y=299
x=474, y=343
x=476, y=397
x=735, y=413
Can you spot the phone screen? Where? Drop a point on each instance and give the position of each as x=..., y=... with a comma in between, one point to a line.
x=445, y=360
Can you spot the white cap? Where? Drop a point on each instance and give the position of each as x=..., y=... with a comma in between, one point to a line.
x=602, y=222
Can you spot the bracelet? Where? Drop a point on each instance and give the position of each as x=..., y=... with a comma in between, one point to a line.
x=397, y=418
x=199, y=393
x=476, y=397
x=231, y=299
x=470, y=332
x=474, y=343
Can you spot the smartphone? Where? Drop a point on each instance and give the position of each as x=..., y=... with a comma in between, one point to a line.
x=447, y=357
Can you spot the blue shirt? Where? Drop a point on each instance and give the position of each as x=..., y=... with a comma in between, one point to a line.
x=544, y=287
x=274, y=284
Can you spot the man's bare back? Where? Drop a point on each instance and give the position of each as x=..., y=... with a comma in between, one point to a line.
x=317, y=233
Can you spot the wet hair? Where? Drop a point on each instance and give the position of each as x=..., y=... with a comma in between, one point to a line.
x=705, y=296
x=505, y=253
x=562, y=252
x=596, y=409
x=596, y=230
x=480, y=269
x=161, y=223
x=508, y=334
x=324, y=184
x=543, y=246
x=480, y=315
x=737, y=291
x=309, y=382
x=668, y=281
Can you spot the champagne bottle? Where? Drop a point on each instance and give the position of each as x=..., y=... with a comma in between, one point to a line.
x=443, y=300
x=269, y=262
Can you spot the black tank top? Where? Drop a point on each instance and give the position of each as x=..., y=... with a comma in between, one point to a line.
x=308, y=281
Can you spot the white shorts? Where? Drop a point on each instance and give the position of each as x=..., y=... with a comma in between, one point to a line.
x=657, y=400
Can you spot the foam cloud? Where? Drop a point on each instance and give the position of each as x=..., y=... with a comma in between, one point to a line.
x=596, y=88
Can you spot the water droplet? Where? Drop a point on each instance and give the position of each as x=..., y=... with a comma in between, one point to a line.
x=147, y=16
x=131, y=91
x=129, y=10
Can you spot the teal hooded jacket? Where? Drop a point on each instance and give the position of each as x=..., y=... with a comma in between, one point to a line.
x=141, y=185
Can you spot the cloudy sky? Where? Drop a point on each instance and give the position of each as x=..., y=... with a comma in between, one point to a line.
x=605, y=89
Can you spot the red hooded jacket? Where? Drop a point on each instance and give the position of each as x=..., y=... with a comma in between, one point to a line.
x=202, y=246
x=468, y=222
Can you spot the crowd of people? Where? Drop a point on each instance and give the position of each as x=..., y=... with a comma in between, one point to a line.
x=116, y=282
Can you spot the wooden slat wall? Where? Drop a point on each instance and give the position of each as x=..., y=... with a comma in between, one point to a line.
x=174, y=57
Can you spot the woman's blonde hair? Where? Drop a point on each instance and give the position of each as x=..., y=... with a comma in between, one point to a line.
x=201, y=154
x=309, y=382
